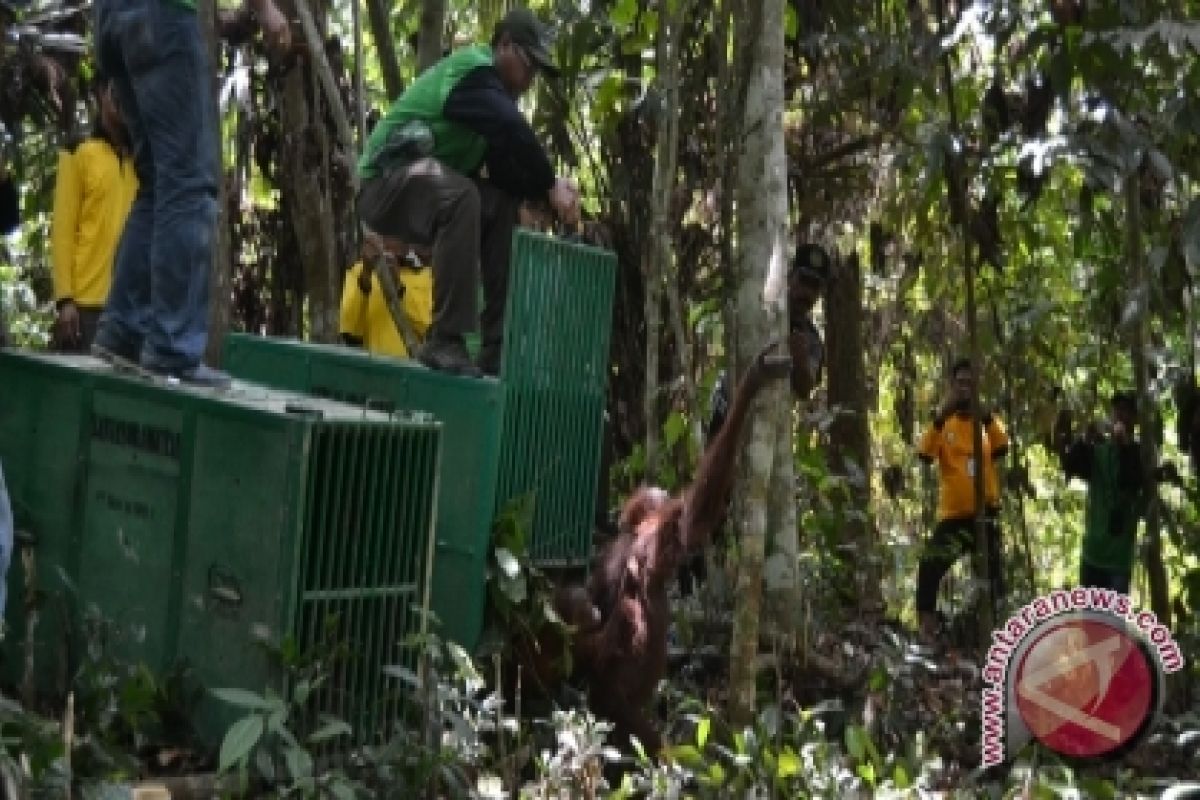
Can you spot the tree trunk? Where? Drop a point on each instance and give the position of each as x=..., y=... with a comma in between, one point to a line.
x=849, y=436
x=429, y=42
x=385, y=46
x=761, y=258
x=306, y=195
x=220, y=290
x=1156, y=570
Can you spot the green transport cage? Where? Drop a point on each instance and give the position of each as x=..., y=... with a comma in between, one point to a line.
x=470, y=413
x=207, y=528
x=538, y=429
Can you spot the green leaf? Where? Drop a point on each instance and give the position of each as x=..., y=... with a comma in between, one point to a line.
x=625, y=790
x=687, y=755
x=867, y=773
x=900, y=777
x=239, y=740
x=276, y=720
x=1098, y=788
x=242, y=699
x=299, y=763
x=265, y=765
x=673, y=429
x=514, y=589
x=716, y=775
x=789, y=764
x=302, y=691
x=702, y=730
x=342, y=790
x=624, y=13
x=550, y=614
x=288, y=737
x=855, y=745
x=403, y=673
x=330, y=730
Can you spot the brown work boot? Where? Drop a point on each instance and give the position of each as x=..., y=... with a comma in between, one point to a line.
x=489, y=359
x=447, y=353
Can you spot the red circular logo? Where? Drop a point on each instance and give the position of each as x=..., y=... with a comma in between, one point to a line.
x=1085, y=688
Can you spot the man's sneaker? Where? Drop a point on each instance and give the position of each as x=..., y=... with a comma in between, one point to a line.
x=447, y=354
x=200, y=375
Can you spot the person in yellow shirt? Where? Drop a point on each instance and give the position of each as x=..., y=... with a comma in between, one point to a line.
x=365, y=318
x=949, y=442
x=94, y=189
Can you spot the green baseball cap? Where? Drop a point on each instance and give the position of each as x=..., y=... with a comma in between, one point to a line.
x=531, y=36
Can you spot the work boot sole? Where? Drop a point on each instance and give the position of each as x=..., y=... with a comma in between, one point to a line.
x=466, y=370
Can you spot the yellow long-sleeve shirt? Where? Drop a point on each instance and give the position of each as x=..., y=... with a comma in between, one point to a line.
x=366, y=316
x=92, y=195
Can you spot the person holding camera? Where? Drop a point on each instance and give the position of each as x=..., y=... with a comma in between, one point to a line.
x=1108, y=458
x=949, y=441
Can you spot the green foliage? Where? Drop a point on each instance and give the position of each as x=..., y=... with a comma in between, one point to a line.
x=123, y=709
x=451, y=732
x=280, y=738
x=520, y=596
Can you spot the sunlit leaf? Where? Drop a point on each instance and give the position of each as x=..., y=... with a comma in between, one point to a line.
x=242, y=698
x=508, y=563
x=789, y=764
x=239, y=740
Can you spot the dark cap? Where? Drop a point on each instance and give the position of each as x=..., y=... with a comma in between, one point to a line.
x=530, y=35
x=811, y=263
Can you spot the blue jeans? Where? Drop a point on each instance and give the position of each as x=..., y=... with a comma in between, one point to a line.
x=6, y=541
x=157, y=307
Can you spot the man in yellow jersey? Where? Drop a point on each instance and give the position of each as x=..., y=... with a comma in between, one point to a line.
x=95, y=186
x=366, y=320
x=950, y=443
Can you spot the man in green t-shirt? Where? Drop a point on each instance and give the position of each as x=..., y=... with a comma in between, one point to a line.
x=156, y=314
x=1118, y=491
x=448, y=167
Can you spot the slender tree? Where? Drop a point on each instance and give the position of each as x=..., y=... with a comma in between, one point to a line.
x=760, y=264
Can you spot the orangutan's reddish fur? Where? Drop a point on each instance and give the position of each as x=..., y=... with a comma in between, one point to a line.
x=621, y=650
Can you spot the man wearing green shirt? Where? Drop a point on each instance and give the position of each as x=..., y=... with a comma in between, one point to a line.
x=156, y=314
x=1117, y=494
x=448, y=167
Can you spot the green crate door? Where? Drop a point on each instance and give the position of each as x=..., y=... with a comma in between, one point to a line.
x=556, y=348
x=237, y=577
